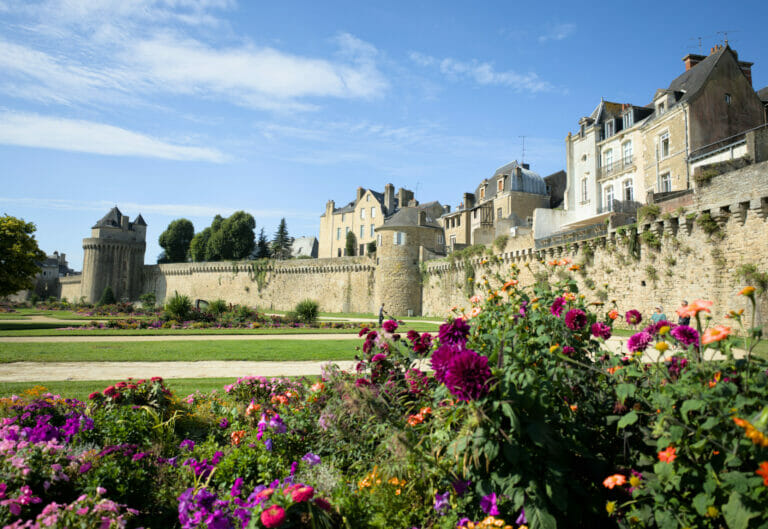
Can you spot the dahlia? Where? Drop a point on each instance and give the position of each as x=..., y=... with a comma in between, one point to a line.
x=454, y=332
x=467, y=375
x=575, y=319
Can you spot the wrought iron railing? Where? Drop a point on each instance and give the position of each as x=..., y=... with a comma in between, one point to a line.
x=567, y=237
x=625, y=162
x=620, y=206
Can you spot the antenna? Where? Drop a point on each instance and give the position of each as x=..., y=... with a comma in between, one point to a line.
x=725, y=32
x=701, y=46
x=416, y=190
x=522, y=158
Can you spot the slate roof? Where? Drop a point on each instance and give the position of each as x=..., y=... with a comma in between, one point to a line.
x=111, y=219
x=350, y=208
x=139, y=221
x=692, y=81
x=531, y=182
x=409, y=217
x=763, y=94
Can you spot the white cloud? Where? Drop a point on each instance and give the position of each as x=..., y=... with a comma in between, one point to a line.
x=33, y=130
x=484, y=73
x=558, y=32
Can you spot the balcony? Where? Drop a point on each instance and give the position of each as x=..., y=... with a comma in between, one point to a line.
x=617, y=206
x=623, y=164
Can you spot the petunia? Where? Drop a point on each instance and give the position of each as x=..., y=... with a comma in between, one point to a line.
x=442, y=505
x=488, y=504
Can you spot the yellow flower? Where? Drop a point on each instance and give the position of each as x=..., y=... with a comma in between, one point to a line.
x=535, y=306
x=712, y=511
x=634, y=481
x=661, y=346
x=554, y=348
x=664, y=330
x=610, y=507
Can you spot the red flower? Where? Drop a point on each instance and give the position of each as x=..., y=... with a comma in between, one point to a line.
x=668, y=455
x=302, y=494
x=763, y=472
x=273, y=516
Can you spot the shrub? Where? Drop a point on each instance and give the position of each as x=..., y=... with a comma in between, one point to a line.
x=650, y=239
x=107, y=297
x=178, y=307
x=709, y=225
x=307, y=310
x=217, y=307
x=372, y=247
x=648, y=212
x=148, y=300
x=753, y=276
x=500, y=242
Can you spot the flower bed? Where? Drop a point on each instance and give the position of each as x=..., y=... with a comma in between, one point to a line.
x=524, y=421
x=274, y=322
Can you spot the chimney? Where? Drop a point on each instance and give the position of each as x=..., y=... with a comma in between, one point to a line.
x=526, y=166
x=360, y=193
x=124, y=222
x=329, y=207
x=422, y=218
x=469, y=200
x=692, y=60
x=389, y=199
x=746, y=68
x=714, y=49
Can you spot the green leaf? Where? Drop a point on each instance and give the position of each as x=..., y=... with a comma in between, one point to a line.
x=629, y=418
x=701, y=502
x=690, y=405
x=540, y=519
x=737, y=516
x=625, y=390
x=710, y=423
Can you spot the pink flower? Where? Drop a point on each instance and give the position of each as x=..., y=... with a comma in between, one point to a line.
x=575, y=319
x=389, y=325
x=273, y=516
x=601, y=330
x=302, y=494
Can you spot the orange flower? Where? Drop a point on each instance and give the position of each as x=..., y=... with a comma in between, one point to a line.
x=475, y=299
x=425, y=411
x=668, y=455
x=747, y=291
x=237, y=437
x=694, y=308
x=570, y=296
x=573, y=268
x=612, y=370
x=763, y=472
x=474, y=312
x=613, y=314
x=553, y=263
x=252, y=409
x=574, y=407
x=612, y=481
x=509, y=284
x=715, y=334
x=413, y=420
x=317, y=386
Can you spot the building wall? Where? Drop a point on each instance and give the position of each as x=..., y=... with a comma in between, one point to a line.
x=333, y=224
x=673, y=122
x=621, y=171
x=582, y=163
x=457, y=225
x=71, y=287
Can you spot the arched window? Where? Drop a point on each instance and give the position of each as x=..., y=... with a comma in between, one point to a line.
x=608, y=198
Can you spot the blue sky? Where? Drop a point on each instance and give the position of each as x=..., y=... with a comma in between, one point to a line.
x=175, y=108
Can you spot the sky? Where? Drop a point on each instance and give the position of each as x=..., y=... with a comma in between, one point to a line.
x=181, y=108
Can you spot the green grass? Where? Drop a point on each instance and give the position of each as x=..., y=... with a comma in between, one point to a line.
x=760, y=350
x=257, y=351
x=80, y=389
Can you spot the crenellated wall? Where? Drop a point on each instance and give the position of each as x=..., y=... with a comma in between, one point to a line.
x=340, y=285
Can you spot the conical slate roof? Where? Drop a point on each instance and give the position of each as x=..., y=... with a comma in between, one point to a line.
x=139, y=221
x=111, y=219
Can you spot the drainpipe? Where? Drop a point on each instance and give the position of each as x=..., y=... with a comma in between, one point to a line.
x=687, y=165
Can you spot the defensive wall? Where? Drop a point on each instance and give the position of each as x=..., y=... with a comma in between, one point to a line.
x=693, y=253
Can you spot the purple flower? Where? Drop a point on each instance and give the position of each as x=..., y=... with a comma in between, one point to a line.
x=268, y=445
x=488, y=505
x=461, y=486
x=521, y=519
x=655, y=327
x=442, y=505
x=568, y=350
x=189, y=444
x=685, y=335
x=467, y=375
x=633, y=317
x=639, y=342
x=463, y=522
x=601, y=330
x=223, y=423
x=441, y=358
x=454, y=332
x=389, y=326
x=237, y=487
x=311, y=459
x=575, y=319
x=85, y=467
x=557, y=306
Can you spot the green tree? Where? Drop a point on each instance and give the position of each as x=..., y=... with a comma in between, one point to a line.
x=281, y=244
x=19, y=255
x=199, y=245
x=175, y=240
x=262, y=246
x=107, y=297
x=237, y=234
x=372, y=247
x=351, y=246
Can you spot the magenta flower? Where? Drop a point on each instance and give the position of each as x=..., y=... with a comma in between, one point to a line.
x=454, y=332
x=557, y=306
x=440, y=359
x=389, y=325
x=378, y=357
x=575, y=319
x=467, y=376
x=633, y=317
x=488, y=505
x=442, y=505
x=685, y=335
x=568, y=350
x=639, y=342
x=601, y=330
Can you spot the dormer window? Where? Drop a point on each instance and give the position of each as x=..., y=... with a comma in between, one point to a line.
x=727, y=99
x=609, y=129
x=629, y=120
x=500, y=184
x=661, y=108
x=482, y=193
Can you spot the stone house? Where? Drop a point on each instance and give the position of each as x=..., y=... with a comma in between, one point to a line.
x=361, y=216
x=502, y=202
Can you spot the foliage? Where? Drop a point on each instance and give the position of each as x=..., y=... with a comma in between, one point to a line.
x=19, y=255
x=178, y=307
x=226, y=239
x=705, y=176
x=281, y=243
x=107, y=297
x=262, y=246
x=148, y=300
x=709, y=225
x=307, y=310
x=175, y=240
x=371, y=248
x=217, y=307
x=500, y=242
x=648, y=212
x=753, y=276
x=350, y=246
x=650, y=239
x=651, y=273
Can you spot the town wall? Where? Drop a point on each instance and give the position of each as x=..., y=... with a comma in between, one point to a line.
x=342, y=284
x=71, y=287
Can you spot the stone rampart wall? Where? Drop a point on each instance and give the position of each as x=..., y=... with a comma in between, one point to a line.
x=689, y=263
x=342, y=284
x=70, y=287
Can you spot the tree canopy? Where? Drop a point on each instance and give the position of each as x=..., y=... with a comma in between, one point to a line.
x=226, y=238
x=351, y=246
x=262, y=246
x=19, y=255
x=281, y=244
x=175, y=240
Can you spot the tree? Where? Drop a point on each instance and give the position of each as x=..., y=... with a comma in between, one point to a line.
x=19, y=255
x=262, y=246
x=107, y=297
x=351, y=247
x=199, y=245
x=372, y=247
x=238, y=236
x=175, y=240
x=281, y=244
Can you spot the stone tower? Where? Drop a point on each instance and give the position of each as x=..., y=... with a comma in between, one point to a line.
x=114, y=256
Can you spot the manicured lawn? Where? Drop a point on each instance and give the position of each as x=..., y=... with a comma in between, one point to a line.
x=761, y=350
x=258, y=351
x=80, y=389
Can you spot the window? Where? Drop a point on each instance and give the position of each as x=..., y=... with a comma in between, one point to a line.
x=498, y=214
x=346, y=230
x=629, y=194
x=664, y=145
x=378, y=240
x=453, y=241
x=627, y=152
x=338, y=254
x=362, y=231
x=584, y=195
x=609, y=128
x=440, y=239
x=342, y=217
x=661, y=108
x=362, y=213
x=581, y=130
x=727, y=99
x=372, y=228
x=338, y=234
x=373, y=213
x=500, y=184
x=399, y=238
x=608, y=161
x=628, y=119
x=665, y=183
x=458, y=221
x=609, y=198
x=367, y=198
x=482, y=193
